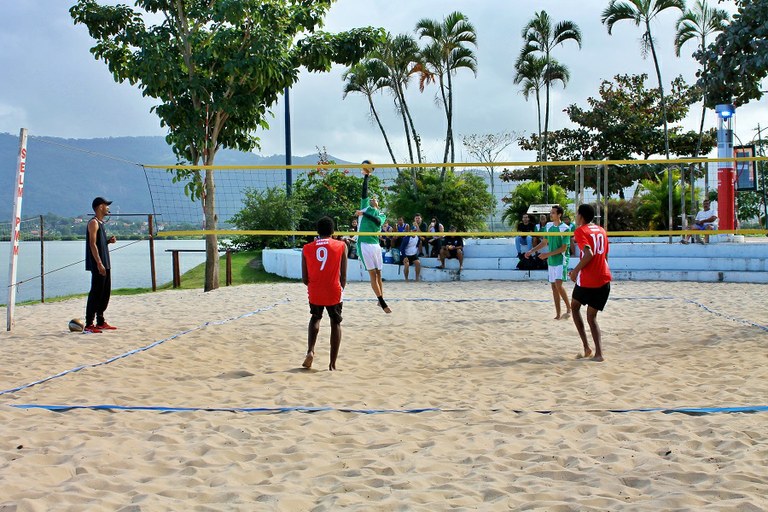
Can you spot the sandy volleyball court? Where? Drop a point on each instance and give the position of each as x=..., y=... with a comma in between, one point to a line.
x=512, y=422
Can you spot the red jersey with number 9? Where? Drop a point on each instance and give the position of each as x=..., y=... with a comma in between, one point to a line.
x=323, y=260
x=596, y=274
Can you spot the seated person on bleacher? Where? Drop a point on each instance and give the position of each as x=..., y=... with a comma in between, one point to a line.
x=434, y=242
x=453, y=247
x=410, y=246
x=351, y=241
x=526, y=226
x=386, y=241
x=541, y=226
x=706, y=219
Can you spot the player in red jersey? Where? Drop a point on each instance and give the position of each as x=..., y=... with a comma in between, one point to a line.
x=324, y=271
x=592, y=277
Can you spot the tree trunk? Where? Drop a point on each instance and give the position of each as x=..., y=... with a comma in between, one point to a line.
x=538, y=154
x=211, y=241
x=670, y=185
x=399, y=107
x=450, y=116
x=415, y=135
x=545, y=155
x=381, y=127
x=447, y=140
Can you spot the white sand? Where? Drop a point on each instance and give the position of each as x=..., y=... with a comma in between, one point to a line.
x=488, y=364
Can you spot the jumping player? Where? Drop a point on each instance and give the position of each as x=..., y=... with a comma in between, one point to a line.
x=557, y=266
x=592, y=277
x=368, y=248
x=324, y=271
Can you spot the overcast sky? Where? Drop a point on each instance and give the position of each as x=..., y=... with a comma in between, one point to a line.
x=53, y=86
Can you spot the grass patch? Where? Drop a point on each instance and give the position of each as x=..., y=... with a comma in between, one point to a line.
x=246, y=269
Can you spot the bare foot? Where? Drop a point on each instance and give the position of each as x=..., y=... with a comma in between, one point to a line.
x=308, y=361
x=387, y=309
x=598, y=359
x=557, y=317
x=587, y=355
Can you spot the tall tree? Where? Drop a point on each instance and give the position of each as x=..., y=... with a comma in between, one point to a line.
x=486, y=149
x=400, y=56
x=368, y=78
x=540, y=38
x=698, y=24
x=216, y=69
x=534, y=73
x=446, y=54
x=530, y=73
x=642, y=12
x=735, y=64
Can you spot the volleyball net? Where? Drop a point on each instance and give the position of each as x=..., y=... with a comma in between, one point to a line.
x=480, y=199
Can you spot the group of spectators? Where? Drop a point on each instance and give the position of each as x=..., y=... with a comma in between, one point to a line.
x=431, y=244
x=527, y=242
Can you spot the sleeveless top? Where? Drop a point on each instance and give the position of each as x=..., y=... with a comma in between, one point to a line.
x=101, y=245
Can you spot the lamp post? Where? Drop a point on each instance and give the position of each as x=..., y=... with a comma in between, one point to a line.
x=726, y=199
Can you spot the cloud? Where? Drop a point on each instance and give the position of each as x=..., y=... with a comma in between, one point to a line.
x=57, y=88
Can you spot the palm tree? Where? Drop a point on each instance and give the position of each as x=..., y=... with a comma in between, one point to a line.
x=534, y=73
x=445, y=55
x=400, y=56
x=540, y=38
x=368, y=78
x=643, y=12
x=699, y=23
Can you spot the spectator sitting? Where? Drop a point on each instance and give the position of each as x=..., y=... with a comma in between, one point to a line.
x=418, y=221
x=706, y=219
x=409, y=252
x=386, y=241
x=453, y=247
x=526, y=226
x=541, y=226
x=571, y=228
x=351, y=241
x=433, y=244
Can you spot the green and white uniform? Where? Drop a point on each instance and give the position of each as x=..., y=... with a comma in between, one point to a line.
x=371, y=221
x=558, y=263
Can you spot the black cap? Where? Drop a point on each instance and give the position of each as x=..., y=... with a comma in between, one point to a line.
x=98, y=202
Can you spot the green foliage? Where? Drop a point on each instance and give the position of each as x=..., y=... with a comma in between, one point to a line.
x=653, y=202
x=530, y=193
x=216, y=68
x=748, y=205
x=335, y=193
x=459, y=199
x=269, y=209
x=622, y=216
x=735, y=65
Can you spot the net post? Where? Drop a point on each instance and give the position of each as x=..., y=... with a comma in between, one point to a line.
x=42, y=260
x=150, y=223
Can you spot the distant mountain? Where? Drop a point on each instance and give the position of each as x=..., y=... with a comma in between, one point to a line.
x=64, y=175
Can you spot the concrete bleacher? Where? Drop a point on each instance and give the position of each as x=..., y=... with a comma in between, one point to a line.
x=496, y=259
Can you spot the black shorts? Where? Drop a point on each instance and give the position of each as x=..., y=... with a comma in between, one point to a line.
x=334, y=312
x=411, y=259
x=452, y=254
x=592, y=297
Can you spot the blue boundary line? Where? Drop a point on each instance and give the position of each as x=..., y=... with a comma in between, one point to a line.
x=285, y=301
x=142, y=349
x=723, y=315
x=694, y=411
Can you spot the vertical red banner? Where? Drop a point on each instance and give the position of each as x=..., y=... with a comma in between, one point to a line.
x=21, y=167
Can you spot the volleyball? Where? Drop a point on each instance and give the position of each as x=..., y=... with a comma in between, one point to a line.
x=76, y=325
x=367, y=167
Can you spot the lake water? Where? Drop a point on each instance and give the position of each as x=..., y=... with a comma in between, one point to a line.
x=130, y=266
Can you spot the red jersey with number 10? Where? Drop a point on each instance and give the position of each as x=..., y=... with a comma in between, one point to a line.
x=596, y=274
x=323, y=260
